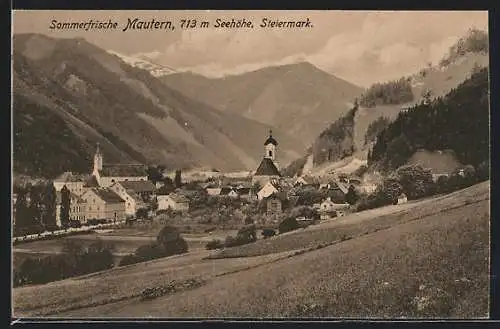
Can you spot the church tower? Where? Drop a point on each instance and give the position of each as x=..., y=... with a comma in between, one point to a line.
x=97, y=161
x=268, y=168
x=270, y=147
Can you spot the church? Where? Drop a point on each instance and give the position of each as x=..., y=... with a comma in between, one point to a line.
x=106, y=175
x=268, y=168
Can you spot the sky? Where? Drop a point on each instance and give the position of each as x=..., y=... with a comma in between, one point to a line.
x=362, y=47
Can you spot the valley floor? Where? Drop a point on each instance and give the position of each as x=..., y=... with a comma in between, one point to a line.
x=428, y=258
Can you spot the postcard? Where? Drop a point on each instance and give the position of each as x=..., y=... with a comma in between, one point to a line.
x=250, y=164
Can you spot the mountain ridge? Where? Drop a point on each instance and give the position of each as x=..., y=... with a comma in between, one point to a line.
x=129, y=106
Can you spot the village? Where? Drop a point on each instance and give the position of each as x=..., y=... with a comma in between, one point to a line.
x=115, y=194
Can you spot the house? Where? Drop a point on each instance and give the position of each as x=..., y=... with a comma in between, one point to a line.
x=228, y=191
x=245, y=193
x=274, y=204
x=145, y=189
x=106, y=175
x=74, y=183
x=268, y=189
x=329, y=209
x=213, y=189
x=307, y=181
x=402, y=198
x=268, y=168
x=104, y=203
x=77, y=208
x=173, y=201
x=340, y=186
x=133, y=201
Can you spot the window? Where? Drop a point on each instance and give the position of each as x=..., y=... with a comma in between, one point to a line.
x=270, y=153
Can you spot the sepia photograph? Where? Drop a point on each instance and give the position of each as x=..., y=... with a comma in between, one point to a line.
x=217, y=164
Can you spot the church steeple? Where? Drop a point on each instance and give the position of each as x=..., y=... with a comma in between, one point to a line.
x=97, y=160
x=270, y=146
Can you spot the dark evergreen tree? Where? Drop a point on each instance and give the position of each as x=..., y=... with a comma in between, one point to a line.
x=49, y=203
x=352, y=196
x=178, y=178
x=65, y=207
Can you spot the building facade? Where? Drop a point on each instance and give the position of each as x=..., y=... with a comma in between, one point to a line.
x=175, y=202
x=104, y=204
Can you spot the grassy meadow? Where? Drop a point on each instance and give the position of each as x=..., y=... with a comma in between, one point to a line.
x=424, y=259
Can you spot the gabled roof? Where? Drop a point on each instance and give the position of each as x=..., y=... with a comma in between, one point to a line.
x=126, y=170
x=341, y=186
x=68, y=176
x=138, y=186
x=91, y=182
x=107, y=195
x=267, y=168
x=226, y=190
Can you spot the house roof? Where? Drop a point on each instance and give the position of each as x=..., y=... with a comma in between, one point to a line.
x=123, y=170
x=67, y=177
x=107, y=195
x=138, y=186
x=91, y=182
x=226, y=190
x=341, y=186
x=244, y=190
x=277, y=195
x=72, y=196
x=267, y=168
x=178, y=198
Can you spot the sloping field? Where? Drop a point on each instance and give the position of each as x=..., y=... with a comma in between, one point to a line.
x=425, y=259
x=361, y=223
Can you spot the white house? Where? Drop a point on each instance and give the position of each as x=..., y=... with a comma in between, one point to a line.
x=402, y=198
x=268, y=189
x=329, y=209
x=133, y=201
x=213, y=191
x=175, y=202
x=104, y=204
x=77, y=208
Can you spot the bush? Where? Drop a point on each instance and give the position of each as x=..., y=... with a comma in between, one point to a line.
x=247, y=234
x=171, y=240
x=75, y=260
x=150, y=251
x=214, y=244
x=268, y=232
x=129, y=260
x=288, y=224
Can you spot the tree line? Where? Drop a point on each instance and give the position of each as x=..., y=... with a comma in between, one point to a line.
x=458, y=121
x=388, y=93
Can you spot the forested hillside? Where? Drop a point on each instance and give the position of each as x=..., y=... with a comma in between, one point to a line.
x=37, y=125
x=458, y=121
